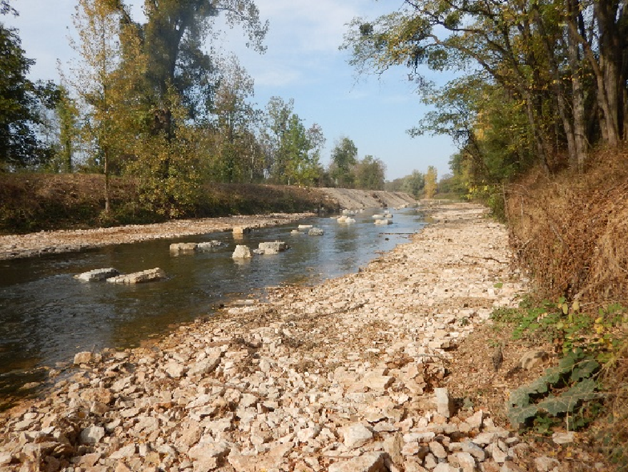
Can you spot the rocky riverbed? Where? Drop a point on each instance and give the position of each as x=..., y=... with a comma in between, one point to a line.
x=51, y=242
x=350, y=375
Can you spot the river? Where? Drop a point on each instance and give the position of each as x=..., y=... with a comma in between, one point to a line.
x=46, y=315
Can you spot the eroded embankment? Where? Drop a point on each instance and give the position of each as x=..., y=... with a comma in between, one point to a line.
x=338, y=377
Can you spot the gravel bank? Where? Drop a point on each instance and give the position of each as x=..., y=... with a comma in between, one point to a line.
x=338, y=377
x=50, y=242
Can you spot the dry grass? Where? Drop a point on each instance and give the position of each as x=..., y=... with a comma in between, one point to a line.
x=572, y=231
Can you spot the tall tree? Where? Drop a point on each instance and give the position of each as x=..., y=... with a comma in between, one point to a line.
x=236, y=155
x=97, y=23
x=343, y=158
x=370, y=174
x=173, y=35
x=20, y=103
x=539, y=53
x=431, y=182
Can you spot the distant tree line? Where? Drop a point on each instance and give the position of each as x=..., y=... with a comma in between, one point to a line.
x=148, y=100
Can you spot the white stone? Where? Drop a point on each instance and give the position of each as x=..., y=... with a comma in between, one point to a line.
x=241, y=252
x=370, y=462
x=563, y=438
x=383, y=221
x=356, y=435
x=444, y=404
x=97, y=275
x=84, y=357
x=316, y=232
x=274, y=247
x=531, y=359
x=150, y=275
x=92, y=435
x=183, y=248
x=208, y=245
x=240, y=230
x=174, y=369
x=545, y=464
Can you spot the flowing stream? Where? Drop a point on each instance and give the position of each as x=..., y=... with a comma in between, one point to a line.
x=46, y=315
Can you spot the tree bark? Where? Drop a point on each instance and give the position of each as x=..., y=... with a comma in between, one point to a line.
x=575, y=63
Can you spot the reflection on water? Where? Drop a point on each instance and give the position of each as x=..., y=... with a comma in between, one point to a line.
x=46, y=316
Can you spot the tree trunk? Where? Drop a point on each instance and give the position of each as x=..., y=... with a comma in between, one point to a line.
x=107, y=188
x=559, y=89
x=610, y=66
x=575, y=63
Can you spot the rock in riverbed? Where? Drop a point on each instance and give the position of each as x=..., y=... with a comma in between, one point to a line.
x=150, y=275
x=97, y=275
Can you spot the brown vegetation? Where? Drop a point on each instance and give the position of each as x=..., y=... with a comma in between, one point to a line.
x=570, y=231
x=34, y=202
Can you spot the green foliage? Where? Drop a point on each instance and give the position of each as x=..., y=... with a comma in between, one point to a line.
x=344, y=156
x=21, y=102
x=566, y=326
x=370, y=173
x=559, y=393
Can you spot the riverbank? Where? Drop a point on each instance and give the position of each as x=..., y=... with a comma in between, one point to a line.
x=15, y=246
x=51, y=242
x=340, y=377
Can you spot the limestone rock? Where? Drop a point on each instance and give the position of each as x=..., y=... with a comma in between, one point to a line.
x=383, y=221
x=150, y=275
x=92, y=435
x=274, y=247
x=356, y=435
x=444, y=404
x=316, y=232
x=208, y=245
x=242, y=252
x=84, y=357
x=370, y=462
x=97, y=275
x=531, y=359
x=241, y=230
x=545, y=464
x=563, y=438
x=183, y=248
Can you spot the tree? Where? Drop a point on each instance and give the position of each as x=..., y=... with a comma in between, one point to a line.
x=293, y=151
x=431, y=185
x=67, y=114
x=370, y=174
x=173, y=37
x=20, y=103
x=541, y=55
x=95, y=82
x=413, y=184
x=236, y=154
x=343, y=158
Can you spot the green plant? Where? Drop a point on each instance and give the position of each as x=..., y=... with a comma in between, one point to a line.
x=566, y=326
x=559, y=393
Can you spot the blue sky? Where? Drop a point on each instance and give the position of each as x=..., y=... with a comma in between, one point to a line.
x=302, y=62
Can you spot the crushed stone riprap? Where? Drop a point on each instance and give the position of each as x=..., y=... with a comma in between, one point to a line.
x=339, y=377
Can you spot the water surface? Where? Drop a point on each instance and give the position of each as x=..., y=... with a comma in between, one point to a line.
x=46, y=315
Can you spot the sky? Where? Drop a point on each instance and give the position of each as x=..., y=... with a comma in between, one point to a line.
x=302, y=62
